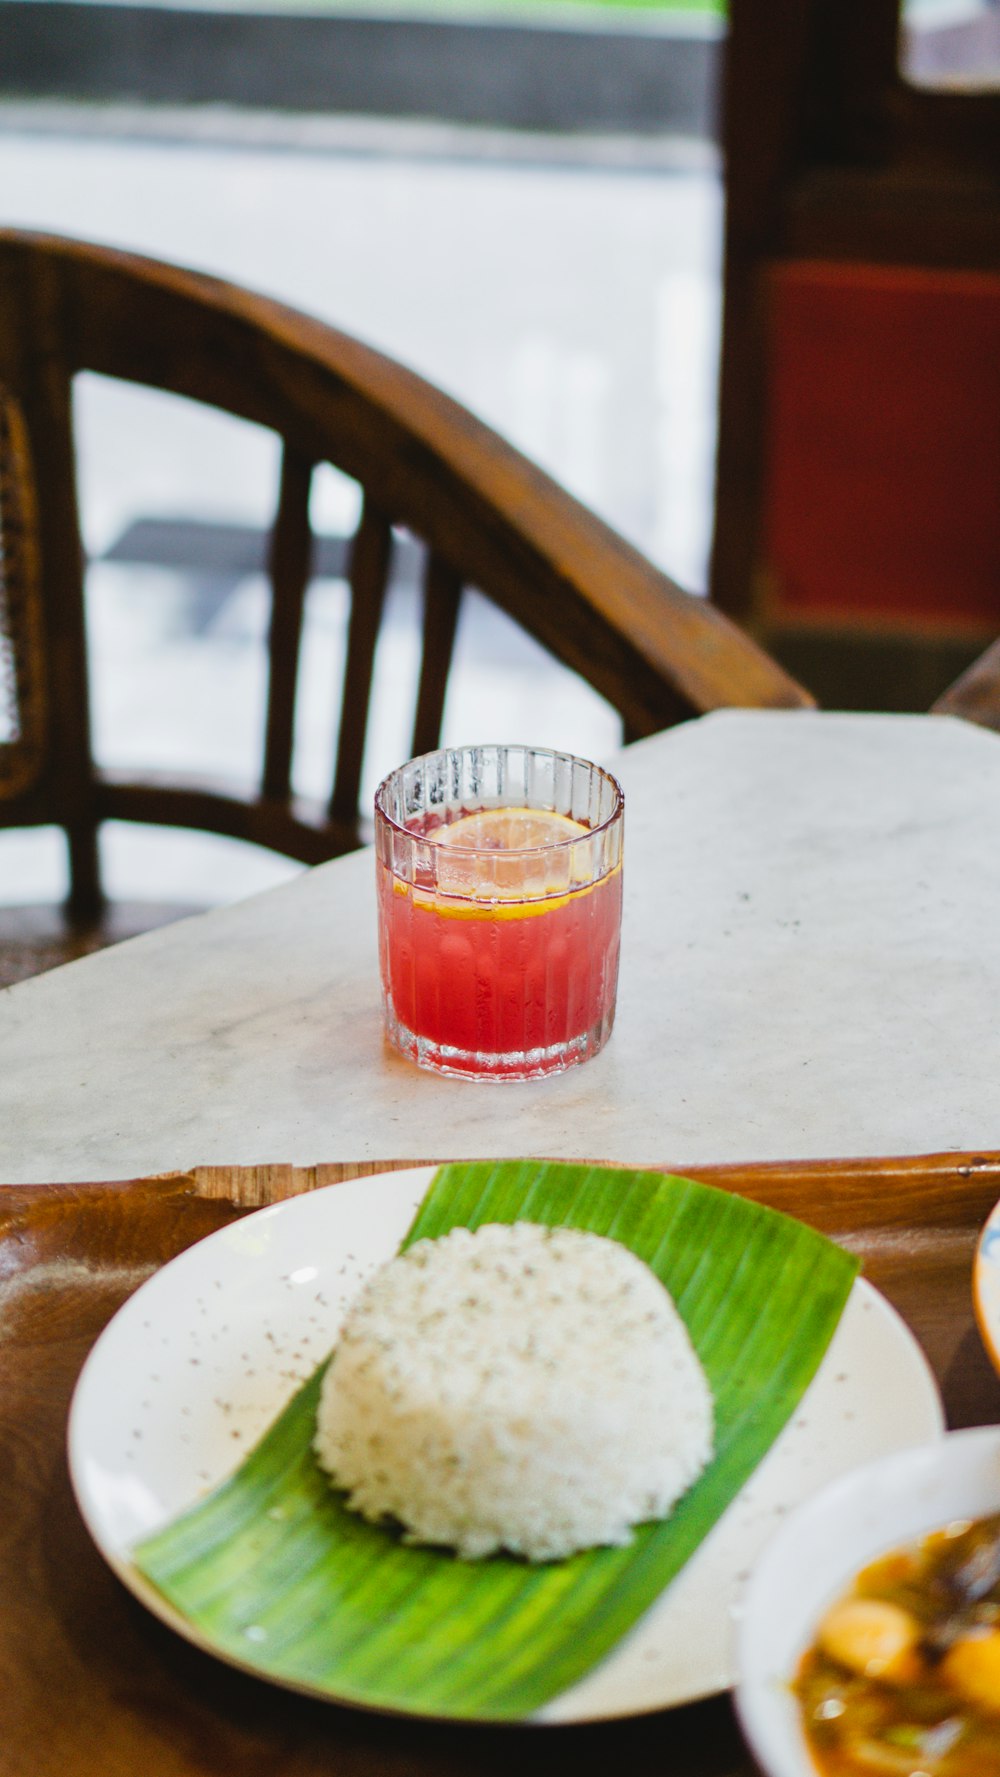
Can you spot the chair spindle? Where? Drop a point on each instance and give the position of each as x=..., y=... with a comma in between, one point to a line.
x=22, y=645
x=290, y=571
x=442, y=598
x=371, y=553
x=47, y=401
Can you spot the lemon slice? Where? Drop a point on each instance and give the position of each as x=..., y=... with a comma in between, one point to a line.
x=512, y=855
x=509, y=829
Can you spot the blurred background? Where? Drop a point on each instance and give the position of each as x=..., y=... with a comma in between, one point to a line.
x=524, y=202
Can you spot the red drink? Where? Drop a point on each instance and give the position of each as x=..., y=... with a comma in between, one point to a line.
x=499, y=921
x=496, y=981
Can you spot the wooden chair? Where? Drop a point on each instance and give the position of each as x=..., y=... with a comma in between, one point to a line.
x=858, y=476
x=487, y=516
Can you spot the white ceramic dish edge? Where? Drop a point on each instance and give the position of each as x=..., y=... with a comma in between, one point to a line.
x=986, y=1286
x=815, y=1556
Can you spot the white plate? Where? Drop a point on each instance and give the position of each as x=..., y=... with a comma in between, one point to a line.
x=816, y=1555
x=204, y=1356
x=986, y=1286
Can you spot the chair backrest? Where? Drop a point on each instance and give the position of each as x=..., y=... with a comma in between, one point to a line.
x=487, y=516
x=859, y=444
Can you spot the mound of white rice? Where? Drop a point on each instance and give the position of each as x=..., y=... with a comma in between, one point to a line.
x=519, y=1387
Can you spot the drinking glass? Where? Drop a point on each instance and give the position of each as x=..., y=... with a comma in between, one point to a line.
x=499, y=909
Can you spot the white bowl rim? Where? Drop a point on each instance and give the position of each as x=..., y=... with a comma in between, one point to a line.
x=928, y=1482
x=986, y=1286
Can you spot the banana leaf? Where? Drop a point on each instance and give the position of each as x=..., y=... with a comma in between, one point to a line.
x=276, y=1573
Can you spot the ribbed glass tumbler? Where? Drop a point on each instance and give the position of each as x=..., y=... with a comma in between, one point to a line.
x=499, y=908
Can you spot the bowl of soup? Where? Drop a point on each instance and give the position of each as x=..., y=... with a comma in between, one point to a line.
x=869, y=1633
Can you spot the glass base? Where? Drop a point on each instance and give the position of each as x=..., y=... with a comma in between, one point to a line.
x=491, y=1065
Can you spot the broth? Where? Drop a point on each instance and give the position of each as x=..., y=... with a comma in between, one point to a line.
x=903, y=1679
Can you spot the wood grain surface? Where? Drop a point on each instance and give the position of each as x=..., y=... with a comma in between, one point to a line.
x=92, y=1686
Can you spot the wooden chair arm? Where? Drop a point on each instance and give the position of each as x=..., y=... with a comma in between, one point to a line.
x=975, y=694
x=476, y=500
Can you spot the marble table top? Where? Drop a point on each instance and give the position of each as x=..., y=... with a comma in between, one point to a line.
x=810, y=968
